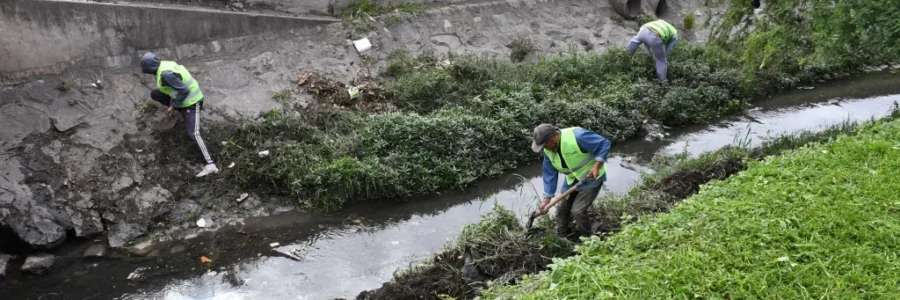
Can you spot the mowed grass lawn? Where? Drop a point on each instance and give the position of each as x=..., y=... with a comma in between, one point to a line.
x=820, y=222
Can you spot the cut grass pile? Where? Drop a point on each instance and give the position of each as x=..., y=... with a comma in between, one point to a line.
x=817, y=222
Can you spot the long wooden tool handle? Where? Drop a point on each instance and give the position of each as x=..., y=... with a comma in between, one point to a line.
x=562, y=196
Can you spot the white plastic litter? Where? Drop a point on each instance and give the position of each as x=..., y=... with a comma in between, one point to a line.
x=264, y=153
x=362, y=45
x=201, y=223
x=242, y=197
x=275, y=244
x=231, y=165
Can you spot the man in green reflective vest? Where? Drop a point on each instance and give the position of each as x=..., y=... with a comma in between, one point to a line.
x=580, y=155
x=660, y=37
x=177, y=90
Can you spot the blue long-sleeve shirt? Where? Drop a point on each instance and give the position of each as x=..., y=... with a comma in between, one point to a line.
x=588, y=141
x=173, y=80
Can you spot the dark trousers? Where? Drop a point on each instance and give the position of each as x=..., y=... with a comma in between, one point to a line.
x=576, y=205
x=191, y=117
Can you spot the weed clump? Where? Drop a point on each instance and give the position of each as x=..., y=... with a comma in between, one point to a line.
x=520, y=48
x=688, y=21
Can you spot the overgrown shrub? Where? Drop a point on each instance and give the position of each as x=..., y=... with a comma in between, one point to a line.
x=521, y=47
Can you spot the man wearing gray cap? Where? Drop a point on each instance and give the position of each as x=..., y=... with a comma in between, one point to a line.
x=580, y=154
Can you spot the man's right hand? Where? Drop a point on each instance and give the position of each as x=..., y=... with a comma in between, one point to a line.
x=544, y=205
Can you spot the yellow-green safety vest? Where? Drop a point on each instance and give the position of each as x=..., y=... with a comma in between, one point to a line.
x=568, y=146
x=666, y=31
x=194, y=88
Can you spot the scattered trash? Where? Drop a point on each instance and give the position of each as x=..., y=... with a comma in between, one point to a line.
x=139, y=150
x=302, y=78
x=231, y=165
x=275, y=244
x=362, y=45
x=211, y=273
x=201, y=223
x=97, y=85
x=354, y=92
x=224, y=143
x=264, y=153
x=205, y=260
x=242, y=197
x=628, y=159
x=806, y=87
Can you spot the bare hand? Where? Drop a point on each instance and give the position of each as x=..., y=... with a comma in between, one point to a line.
x=594, y=172
x=169, y=111
x=544, y=206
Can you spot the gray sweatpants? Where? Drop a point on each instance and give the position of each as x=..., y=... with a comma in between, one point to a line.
x=576, y=205
x=659, y=50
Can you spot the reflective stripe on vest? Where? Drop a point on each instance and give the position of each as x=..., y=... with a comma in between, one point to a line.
x=194, y=94
x=665, y=30
x=568, y=146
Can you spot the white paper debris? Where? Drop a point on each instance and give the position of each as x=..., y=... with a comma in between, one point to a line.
x=264, y=153
x=275, y=244
x=201, y=223
x=362, y=45
x=242, y=197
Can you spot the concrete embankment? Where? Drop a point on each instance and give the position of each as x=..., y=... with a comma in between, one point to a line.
x=41, y=37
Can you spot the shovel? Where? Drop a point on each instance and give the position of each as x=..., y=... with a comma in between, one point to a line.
x=553, y=202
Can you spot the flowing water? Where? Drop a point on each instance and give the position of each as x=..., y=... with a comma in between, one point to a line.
x=338, y=256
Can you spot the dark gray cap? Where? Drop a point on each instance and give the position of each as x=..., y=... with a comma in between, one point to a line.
x=542, y=133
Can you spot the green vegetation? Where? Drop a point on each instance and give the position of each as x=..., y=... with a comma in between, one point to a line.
x=520, y=48
x=688, y=21
x=816, y=222
x=471, y=118
x=357, y=9
x=676, y=178
x=813, y=38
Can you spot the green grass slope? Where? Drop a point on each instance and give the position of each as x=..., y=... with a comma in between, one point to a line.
x=818, y=222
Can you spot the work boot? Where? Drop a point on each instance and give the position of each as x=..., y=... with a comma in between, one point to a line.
x=208, y=169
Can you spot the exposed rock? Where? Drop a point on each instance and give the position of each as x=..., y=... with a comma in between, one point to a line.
x=38, y=264
x=183, y=210
x=96, y=250
x=87, y=223
x=4, y=263
x=122, y=233
x=178, y=248
x=142, y=249
x=148, y=204
x=138, y=274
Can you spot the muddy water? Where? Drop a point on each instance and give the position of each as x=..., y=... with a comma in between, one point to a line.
x=338, y=256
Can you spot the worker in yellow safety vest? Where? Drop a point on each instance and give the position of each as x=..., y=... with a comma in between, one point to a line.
x=579, y=154
x=178, y=90
x=660, y=38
